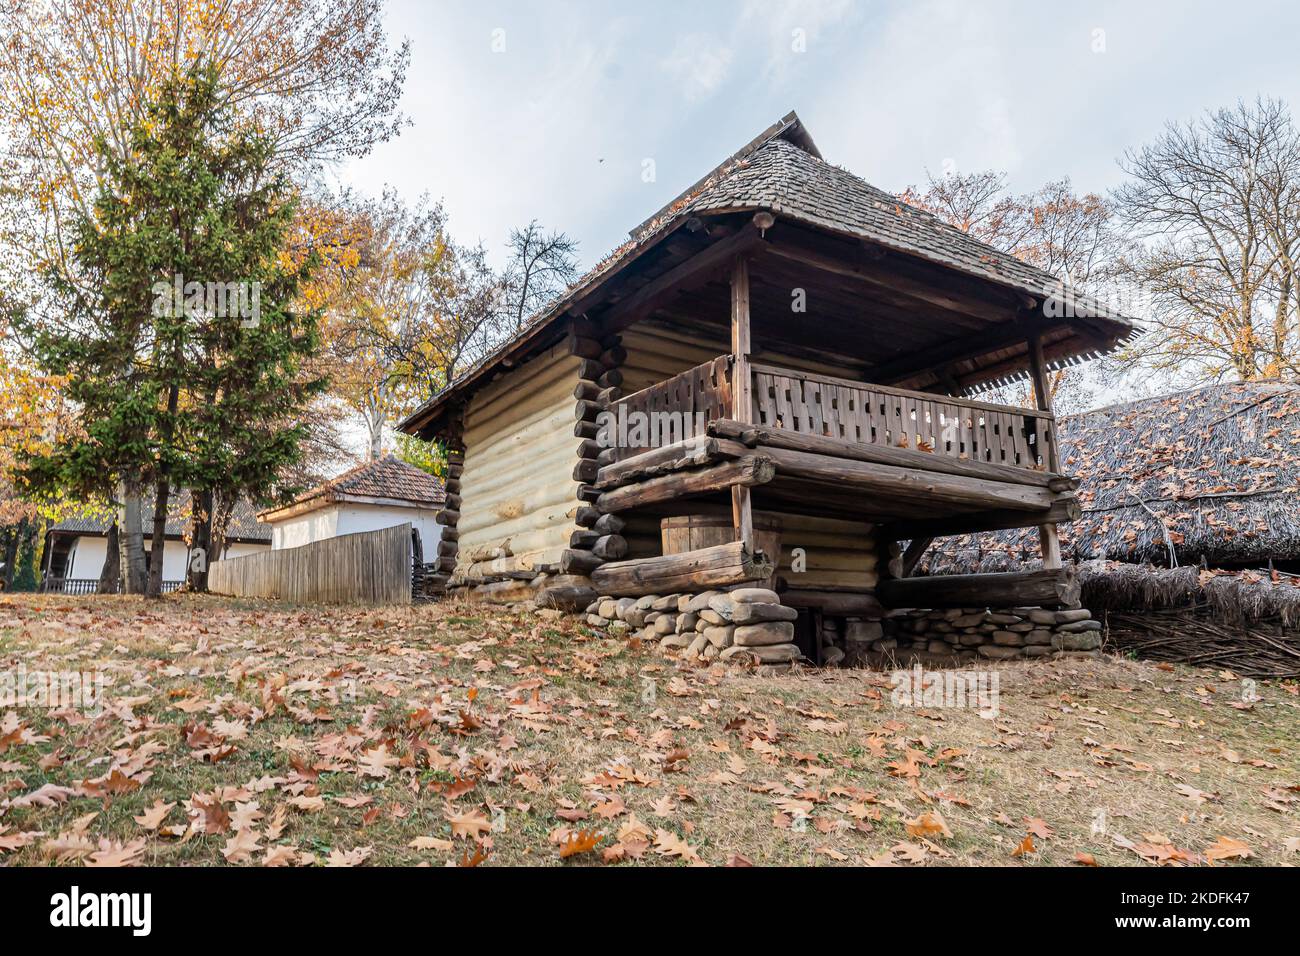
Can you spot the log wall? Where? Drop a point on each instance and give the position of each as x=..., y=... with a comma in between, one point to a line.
x=519, y=497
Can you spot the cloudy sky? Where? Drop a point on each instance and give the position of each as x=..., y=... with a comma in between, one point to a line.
x=552, y=110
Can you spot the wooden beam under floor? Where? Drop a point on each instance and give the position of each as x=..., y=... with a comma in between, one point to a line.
x=1051, y=587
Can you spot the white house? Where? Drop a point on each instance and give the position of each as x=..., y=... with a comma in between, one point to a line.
x=77, y=547
x=379, y=494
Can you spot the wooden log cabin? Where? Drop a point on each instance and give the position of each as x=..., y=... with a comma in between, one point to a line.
x=783, y=355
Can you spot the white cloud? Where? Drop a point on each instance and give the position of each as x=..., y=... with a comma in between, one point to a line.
x=792, y=29
x=697, y=65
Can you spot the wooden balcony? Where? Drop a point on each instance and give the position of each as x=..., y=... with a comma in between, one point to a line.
x=855, y=413
x=924, y=465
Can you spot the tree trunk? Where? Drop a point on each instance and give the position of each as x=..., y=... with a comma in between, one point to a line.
x=10, y=556
x=26, y=577
x=112, y=571
x=196, y=576
x=223, y=510
x=374, y=418
x=131, y=536
x=159, y=540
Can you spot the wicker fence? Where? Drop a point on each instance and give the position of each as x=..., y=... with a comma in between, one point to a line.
x=373, y=567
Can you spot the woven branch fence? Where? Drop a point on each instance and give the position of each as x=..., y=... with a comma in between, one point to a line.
x=372, y=567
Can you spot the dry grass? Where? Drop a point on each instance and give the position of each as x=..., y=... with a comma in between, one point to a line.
x=311, y=735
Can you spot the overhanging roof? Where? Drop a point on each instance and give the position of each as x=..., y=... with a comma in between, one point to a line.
x=782, y=172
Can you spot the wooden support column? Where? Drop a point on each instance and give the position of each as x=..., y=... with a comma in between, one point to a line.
x=1048, y=537
x=742, y=508
x=916, y=549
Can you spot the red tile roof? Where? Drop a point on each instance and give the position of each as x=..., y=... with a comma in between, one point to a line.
x=388, y=477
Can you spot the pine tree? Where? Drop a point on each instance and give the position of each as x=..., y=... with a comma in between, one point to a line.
x=188, y=359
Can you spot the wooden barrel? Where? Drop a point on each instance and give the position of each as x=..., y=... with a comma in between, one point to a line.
x=693, y=532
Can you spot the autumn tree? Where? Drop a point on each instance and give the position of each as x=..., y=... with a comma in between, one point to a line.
x=316, y=77
x=542, y=265
x=406, y=311
x=976, y=203
x=382, y=298
x=186, y=365
x=1214, y=206
x=1068, y=235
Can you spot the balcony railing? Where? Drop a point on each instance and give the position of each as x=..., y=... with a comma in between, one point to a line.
x=851, y=411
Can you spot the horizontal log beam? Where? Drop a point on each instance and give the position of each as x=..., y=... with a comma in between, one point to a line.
x=910, y=483
x=1062, y=510
x=745, y=472
x=612, y=547
x=691, y=453
x=566, y=598
x=757, y=436
x=664, y=288
x=716, y=567
x=835, y=603
x=1056, y=587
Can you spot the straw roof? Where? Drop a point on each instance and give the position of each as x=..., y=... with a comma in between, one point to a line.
x=1210, y=474
x=1236, y=597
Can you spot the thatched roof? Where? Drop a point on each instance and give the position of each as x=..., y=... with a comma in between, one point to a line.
x=1212, y=473
x=1236, y=597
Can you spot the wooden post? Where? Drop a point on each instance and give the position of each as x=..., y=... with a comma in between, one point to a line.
x=1049, y=540
x=742, y=509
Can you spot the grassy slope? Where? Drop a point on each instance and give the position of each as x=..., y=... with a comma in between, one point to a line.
x=391, y=736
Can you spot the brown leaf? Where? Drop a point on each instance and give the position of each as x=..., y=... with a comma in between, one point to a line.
x=930, y=823
x=581, y=842
x=1226, y=848
x=112, y=853
x=152, y=818
x=469, y=825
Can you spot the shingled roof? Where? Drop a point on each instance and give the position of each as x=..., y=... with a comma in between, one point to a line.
x=384, y=480
x=244, y=525
x=1212, y=472
x=782, y=171
x=790, y=181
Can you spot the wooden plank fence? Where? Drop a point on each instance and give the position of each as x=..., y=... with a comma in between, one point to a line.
x=371, y=567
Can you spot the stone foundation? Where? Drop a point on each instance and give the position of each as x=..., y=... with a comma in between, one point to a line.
x=750, y=626
x=965, y=635
x=745, y=626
